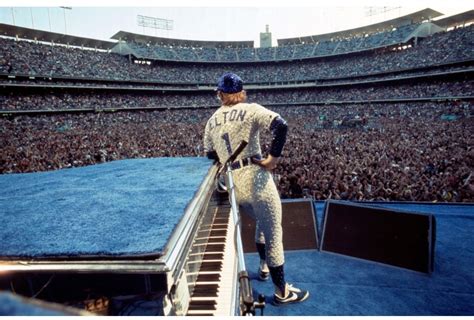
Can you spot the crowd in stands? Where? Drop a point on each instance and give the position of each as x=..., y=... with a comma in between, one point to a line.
x=114, y=99
x=25, y=82
x=398, y=152
x=50, y=82
x=411, y=151
x=363, y=93
x=98, y=101
x=408, y=152
x=300, y=51
x=23, y=57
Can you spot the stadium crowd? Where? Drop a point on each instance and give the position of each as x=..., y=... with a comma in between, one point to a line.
x=107, y=100
x=24, y=57
x=300, y=51
x=409, y=151
x=398, y=152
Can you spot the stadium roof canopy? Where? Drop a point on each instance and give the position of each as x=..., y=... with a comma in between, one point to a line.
x=46, y=36
x=128, y=36
x=416, y=17
x=458, y=19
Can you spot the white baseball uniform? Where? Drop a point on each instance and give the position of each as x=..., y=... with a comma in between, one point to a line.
x=256, y=191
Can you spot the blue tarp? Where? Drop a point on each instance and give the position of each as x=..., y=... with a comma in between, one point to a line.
x=125, y=207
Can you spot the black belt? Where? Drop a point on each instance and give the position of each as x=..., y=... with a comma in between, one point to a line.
x=243, y=162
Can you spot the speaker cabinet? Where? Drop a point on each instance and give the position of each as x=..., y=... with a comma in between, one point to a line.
x=298, y=222
x=397, y=238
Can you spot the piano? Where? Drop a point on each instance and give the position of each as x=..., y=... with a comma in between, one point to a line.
x=214, y=273
x=196, y=273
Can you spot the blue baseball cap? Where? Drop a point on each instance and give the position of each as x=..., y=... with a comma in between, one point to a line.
x=230, y=83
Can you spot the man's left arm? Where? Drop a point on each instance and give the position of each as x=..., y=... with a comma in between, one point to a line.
x=268, y=119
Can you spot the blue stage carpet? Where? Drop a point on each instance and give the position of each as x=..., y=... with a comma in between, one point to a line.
x=345, y=286
x=125, y=207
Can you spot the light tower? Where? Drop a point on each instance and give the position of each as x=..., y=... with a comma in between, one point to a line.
x=266, y=38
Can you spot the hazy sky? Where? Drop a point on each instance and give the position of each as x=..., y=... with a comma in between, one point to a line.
x=213, y=20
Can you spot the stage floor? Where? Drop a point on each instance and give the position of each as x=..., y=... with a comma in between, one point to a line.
x=103, y=210
x=345, y=286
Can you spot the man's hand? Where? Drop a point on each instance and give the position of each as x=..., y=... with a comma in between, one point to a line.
x=268, y=163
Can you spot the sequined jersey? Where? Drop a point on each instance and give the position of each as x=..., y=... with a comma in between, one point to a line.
x=228, y=126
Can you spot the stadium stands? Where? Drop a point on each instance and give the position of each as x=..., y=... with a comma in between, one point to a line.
x=22, y=57
x=371, y=147
x=302, y=51
x=19, y=100
x=409, y=151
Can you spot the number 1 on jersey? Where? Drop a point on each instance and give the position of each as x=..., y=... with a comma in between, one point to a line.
x=226, y=138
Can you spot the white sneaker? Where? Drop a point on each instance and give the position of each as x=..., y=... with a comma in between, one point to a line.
x=294, y=295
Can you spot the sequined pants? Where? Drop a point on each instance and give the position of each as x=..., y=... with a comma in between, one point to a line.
x=258, y=197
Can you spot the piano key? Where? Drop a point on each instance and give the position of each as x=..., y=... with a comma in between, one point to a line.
x=213, y=290
x=211, y=266
x=218, y=233
x=215, y=248
x=204, y=290
x=209, y=277
x=229, y=273
x=213, y=256
x=202, y=305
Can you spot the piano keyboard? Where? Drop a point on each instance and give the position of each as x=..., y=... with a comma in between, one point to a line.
x=215, y=288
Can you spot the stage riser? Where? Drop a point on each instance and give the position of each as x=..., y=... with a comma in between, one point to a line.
x=400, y=239
x=299, y=227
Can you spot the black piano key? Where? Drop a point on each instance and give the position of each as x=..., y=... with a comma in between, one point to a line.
x=213, y=256
x=218, y=233
x=202, y=305
x=205, y=290
x=221, y=215
x=216, y=240
x=214, y=248
x=211, y=266
x=209, y=277
x=221, y=221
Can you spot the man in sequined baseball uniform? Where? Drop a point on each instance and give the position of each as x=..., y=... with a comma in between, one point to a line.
x=256, y=191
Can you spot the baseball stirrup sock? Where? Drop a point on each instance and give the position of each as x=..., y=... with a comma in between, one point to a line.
x=278, y=278
x=261, y=250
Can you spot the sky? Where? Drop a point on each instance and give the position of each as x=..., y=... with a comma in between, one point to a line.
x=212, y=20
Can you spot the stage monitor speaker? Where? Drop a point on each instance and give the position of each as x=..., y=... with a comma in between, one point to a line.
x=378, y=234
x=298, y=222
